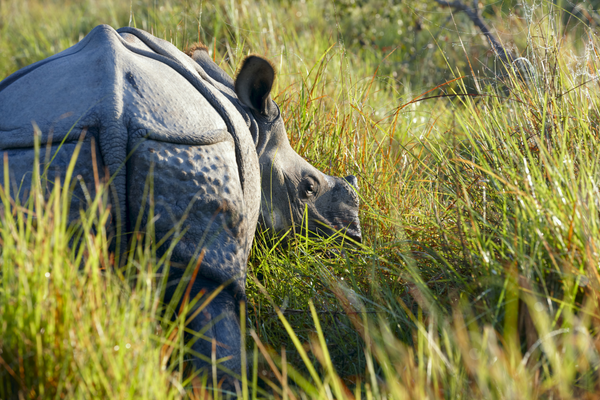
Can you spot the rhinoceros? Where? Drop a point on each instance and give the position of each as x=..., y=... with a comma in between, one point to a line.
x=215, y=150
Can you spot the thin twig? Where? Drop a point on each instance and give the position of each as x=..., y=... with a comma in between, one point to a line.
x=475, y=17
x=294, y=312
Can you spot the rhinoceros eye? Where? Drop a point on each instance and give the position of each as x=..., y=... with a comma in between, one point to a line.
x=309, y=187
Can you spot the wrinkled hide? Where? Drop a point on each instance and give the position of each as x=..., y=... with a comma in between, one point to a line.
x=147, y=113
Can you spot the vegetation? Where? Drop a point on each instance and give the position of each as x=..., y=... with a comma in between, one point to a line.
x=478, y=276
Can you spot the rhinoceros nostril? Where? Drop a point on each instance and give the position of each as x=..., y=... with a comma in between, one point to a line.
x=351, y=179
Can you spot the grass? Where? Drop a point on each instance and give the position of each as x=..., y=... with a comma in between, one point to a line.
x=70, y=325
x=478, y=277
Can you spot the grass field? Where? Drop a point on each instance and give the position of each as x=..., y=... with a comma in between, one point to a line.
x=479, y=272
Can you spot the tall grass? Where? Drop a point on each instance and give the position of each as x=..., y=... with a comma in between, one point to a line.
x=478, y=277
x=72, y=325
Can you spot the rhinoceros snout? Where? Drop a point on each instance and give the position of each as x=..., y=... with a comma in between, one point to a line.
x=353, y=232
x=339, y=208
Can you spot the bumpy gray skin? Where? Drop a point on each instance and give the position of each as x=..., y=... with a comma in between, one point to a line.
x=213, y=144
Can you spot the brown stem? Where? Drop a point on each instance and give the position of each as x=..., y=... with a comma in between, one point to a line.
x=475, y=17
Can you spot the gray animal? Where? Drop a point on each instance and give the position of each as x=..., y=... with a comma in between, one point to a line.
x=215, y=150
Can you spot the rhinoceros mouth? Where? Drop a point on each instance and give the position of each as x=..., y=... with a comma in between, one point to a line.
x=350, y=231
x=333, y=224
x=354, y=235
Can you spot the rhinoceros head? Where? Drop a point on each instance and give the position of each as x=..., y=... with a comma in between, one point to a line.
x=294, y=193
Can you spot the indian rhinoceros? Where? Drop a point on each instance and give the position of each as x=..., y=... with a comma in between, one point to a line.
x=209, y=144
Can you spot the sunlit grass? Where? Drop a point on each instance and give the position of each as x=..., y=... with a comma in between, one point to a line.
x=72, y=326
x=478, y=275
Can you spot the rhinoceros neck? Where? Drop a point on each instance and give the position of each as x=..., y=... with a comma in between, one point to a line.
x=213, y=74
x=168, y=54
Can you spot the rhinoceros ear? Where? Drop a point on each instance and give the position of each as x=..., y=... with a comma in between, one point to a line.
x=253, y=83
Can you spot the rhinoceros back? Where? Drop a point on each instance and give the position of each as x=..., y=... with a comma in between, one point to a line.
x=152, y=120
